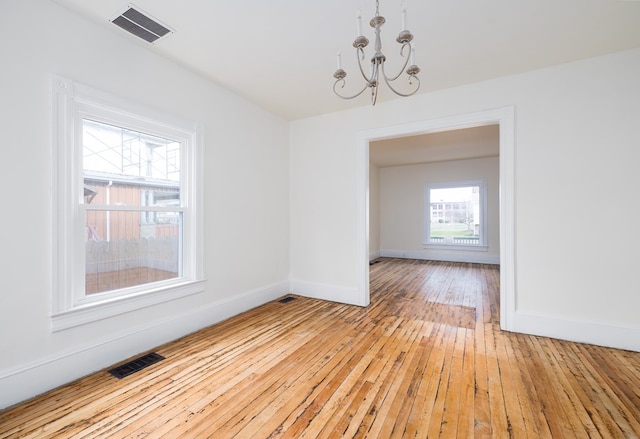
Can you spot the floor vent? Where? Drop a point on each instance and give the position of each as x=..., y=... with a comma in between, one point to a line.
x=141, y=25
x=135, y=365
x=287, y=299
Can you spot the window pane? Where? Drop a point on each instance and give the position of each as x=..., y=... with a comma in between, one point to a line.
x=125, y=249
x=119, y=164
x=122, y=167
x=455, y=215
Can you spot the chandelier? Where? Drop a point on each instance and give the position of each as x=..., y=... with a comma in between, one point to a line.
x=376, y=69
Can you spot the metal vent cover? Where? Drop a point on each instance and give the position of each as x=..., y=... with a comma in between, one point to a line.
x=134, y=366
x=141, y=24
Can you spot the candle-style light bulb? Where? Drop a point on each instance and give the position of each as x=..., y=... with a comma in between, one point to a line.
x=404, y=15
x=339, y=60
x=359, y=22
x=412, y=58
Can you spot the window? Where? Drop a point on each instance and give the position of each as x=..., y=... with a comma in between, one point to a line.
x=455, y=215
x=127, y=206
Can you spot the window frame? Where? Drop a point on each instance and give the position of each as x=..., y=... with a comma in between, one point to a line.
x=72, y=103
x=482, y=192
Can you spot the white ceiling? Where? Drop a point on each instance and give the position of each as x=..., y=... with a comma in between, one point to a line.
x=459, y=144
x=281, y=54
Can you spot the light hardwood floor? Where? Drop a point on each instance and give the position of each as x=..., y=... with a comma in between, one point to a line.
x=425, y=359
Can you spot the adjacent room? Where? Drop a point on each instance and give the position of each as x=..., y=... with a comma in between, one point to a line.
x=331, y=219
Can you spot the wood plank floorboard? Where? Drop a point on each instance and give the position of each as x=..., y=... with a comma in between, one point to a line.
x=426, y=359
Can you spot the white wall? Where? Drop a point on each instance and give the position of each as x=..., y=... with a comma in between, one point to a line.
x=576, y=150
x=402, y=196
x=246, y=196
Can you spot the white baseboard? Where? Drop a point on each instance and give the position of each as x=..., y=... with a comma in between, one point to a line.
x=333, y=293
x=27, y=380
x=578, y=331
x=473, y=257
x=374, y=255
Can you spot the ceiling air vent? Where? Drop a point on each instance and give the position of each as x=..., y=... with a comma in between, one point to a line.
x=141, y=25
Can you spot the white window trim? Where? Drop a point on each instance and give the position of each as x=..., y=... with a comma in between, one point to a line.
x=482, y=246
x=70, y=306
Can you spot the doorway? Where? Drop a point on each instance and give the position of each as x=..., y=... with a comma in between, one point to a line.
x=504, y=118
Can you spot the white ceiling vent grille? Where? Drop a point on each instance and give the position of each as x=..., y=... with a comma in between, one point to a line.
x=141, y=24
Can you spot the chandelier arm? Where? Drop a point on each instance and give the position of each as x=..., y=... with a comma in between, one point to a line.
x=406, y=62
x=358, y=53
x=404, y=95
x=335, y=84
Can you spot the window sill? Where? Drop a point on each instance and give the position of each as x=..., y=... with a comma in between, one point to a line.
x=88, y=313
x=456, y=247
